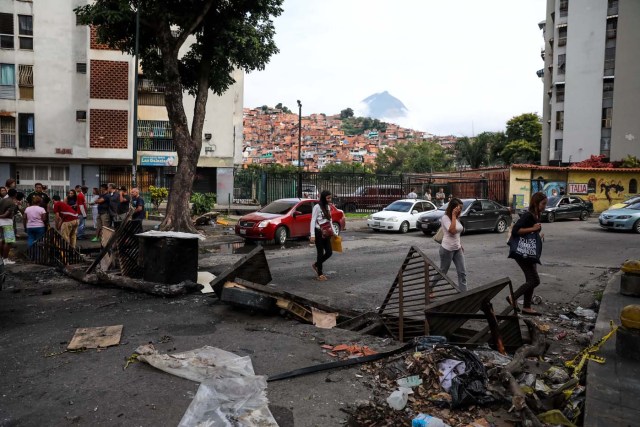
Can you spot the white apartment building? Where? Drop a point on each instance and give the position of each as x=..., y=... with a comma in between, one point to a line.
x=591, y=80
x=66, y=104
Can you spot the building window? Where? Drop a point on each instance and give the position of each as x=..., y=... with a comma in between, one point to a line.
x=558, y=146
x=559, y=120
x=560, y=93
x=564, y=8
x=7, y=81
x=25, y=81
x=633, y=186
x=609, y=61
x=562, y=63
x=81, y=67
x=612, y=7
x=6, y=31
x=81, y=115
x=25, y=31
x=27, y=128
x=612, y=28
x=607, y=89
x=154, y=129
x=562, y=36
x=607, y=117
x=7, y=132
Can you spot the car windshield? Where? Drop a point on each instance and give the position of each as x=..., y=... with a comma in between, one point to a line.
x=399, y=207
x=553, y=200
x=279, y=207
x=632, y=200
x=635, y=206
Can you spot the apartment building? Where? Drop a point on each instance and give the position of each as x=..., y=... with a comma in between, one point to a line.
x=591, y=85
x=66, y=104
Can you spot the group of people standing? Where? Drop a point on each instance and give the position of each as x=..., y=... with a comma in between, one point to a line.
x=451, y=249
x=109, y=206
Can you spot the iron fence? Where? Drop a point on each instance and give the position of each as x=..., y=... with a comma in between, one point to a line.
x=362, y=192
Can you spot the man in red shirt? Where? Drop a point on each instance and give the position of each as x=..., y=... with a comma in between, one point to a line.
x=81, y=210
x=66, y=220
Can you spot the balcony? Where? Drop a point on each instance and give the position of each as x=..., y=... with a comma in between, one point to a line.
x=7, y=140
x=156, y=144
x=146, y=85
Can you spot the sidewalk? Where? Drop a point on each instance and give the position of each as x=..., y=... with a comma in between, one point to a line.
x=613, y=388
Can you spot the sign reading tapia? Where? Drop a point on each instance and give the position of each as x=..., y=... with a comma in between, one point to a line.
x=578, y=188
x=158, y=160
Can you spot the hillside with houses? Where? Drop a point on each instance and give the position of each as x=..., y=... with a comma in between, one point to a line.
x=271, y=137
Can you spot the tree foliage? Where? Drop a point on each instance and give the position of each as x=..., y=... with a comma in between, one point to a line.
x=223, y=37
x=354, y=167
x=630, y=162
x=495, y=143
x=472, y=151
x=284, y=108
x=357, y=125
x=520, y=151
x=527, y=127
x=346, y=113
x=419, y=157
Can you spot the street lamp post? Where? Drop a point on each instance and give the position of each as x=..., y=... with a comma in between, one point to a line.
x=134, y=165
x=299, y=148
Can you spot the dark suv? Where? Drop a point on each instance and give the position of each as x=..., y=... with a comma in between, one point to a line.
x=477, y=214
x=369, y=197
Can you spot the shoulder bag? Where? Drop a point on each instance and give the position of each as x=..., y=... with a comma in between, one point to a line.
x=439, y=235
x=527, y=246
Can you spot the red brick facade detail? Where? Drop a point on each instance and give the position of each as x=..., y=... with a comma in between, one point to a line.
x=94, y=44
x=109, y=79
x=108, y=128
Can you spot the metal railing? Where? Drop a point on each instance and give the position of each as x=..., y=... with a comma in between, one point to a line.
x=7, y=140
x=146, y=85
x=156, y=144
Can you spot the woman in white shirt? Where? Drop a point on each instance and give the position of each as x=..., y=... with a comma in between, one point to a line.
x=321, y=213
x=451, y=248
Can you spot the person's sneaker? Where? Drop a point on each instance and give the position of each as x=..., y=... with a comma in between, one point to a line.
x=7, y=261
x=95, y=239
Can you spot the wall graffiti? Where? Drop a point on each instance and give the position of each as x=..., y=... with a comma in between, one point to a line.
x=606, y=188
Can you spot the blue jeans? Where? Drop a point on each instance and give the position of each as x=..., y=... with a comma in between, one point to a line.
x=81, y=221
x=34, y=234
x=458, y=259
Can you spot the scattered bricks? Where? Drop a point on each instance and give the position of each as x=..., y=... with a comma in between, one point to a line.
x=109, y=80
x=108, y=129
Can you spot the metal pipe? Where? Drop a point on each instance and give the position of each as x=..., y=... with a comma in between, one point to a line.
x=299, y=148
x=134, y=163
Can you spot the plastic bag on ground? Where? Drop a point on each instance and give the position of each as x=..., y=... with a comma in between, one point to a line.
x=398, y=399
x=449, y=369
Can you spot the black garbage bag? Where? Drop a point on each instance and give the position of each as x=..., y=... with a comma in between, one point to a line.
x=469, y=388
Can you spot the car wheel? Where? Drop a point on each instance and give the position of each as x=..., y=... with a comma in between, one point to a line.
x=350, y=208
x=584, y=215
x=636, y=226
x=404, y=227
x=551, y=217
x=336, y=228
x=501, y=226
x=280, y=235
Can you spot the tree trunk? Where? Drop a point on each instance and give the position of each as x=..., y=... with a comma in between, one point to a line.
x=178, y=217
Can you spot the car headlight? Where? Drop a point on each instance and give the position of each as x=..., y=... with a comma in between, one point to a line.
x=263, y=224
x=624, y=217
x=393, y=219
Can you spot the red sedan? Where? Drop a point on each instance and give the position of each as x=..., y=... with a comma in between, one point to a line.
x=284, y=219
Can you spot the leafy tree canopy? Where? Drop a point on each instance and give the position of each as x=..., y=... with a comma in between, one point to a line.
x=357, y=125
x=284, y=109
x=473, y=151
x=346, y=113
x=520, y=151
x=495, y=143
x=355, y=167
x=419, y=157
x=526, y=127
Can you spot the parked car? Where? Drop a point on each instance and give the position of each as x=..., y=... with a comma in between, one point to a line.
x=477, y=214
x=400, y=215
x=369, y=197
x=627, y=218
x=560, y=207
x=625, y=203
x=284, y=219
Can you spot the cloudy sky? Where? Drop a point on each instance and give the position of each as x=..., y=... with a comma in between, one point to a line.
x=460, y=66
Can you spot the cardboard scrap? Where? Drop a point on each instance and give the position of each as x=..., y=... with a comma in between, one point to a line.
x=323, y=319
x=99, y=337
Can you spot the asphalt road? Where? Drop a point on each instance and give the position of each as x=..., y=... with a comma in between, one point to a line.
x=43, y=385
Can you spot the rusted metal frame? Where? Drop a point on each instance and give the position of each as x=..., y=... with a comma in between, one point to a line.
x=400, y=308
x=115, y=238
x=487, y=309
x=394, y=285
x=470, y=316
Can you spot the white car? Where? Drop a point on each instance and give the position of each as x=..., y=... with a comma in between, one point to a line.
x=400, y=215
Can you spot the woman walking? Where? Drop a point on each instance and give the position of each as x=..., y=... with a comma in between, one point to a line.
x=93, y=202
x=451, y=247
x=321, y=215
x=529, y=222
x=34, y=220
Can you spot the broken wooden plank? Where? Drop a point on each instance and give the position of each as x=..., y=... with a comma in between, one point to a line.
x=99, y=337
x=252, y=267
x=296, y=309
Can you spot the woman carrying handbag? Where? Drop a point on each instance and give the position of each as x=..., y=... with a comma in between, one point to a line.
x=321, y=233
x=525, y=246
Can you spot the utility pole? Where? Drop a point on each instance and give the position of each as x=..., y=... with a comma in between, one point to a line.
x=299, y=148
x=134, y=165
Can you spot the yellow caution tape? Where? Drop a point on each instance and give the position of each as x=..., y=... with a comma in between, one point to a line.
x=578, y=362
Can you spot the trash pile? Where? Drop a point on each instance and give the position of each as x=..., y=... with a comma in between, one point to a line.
x=480, y=387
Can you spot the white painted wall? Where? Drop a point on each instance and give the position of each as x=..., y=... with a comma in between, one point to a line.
x=584, y=70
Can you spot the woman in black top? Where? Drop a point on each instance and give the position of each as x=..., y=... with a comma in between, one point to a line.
x=72, y=199
x=529, y=222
